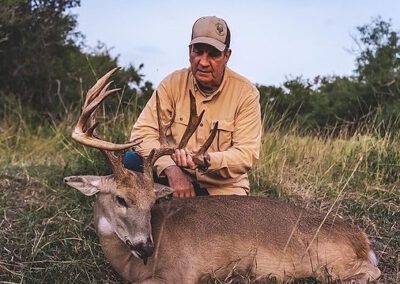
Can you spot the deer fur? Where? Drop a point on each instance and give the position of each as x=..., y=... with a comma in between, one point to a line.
x=202, y=238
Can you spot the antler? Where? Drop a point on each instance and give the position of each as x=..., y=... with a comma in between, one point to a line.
x=84, y=131
x=199, y=158
x=165, y=149
x=194, y=122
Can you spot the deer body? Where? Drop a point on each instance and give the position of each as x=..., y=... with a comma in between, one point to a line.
x=190, y=240
x=212, y=236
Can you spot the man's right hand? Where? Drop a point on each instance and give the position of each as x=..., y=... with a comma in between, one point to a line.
x=180, y=182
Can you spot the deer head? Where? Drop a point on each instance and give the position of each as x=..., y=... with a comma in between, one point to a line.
x=126, y=197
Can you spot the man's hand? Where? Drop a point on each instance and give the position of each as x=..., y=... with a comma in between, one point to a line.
x=180, y=182
x=185, y=159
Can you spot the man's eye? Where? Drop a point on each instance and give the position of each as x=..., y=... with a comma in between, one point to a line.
x=198, y=51
x=215, y=53
x=121, y=201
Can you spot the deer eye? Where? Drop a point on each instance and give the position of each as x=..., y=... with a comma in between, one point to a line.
x=121, y=201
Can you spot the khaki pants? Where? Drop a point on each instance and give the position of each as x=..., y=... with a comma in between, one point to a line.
x=226, y=191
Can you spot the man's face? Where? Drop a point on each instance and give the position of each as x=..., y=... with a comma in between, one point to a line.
x=208, y=64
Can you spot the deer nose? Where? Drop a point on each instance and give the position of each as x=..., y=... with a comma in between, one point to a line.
x=144, y=250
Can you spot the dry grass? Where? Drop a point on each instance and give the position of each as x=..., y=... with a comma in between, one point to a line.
x=46, y=234
x=357, y=177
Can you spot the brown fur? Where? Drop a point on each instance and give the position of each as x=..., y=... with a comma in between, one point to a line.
x=263, y=237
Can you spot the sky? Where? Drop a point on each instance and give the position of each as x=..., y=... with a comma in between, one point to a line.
x=271, y=41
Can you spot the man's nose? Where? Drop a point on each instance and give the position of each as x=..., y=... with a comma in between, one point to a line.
x=205, y=59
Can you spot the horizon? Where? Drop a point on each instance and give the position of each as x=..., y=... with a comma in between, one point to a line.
x=272, y=41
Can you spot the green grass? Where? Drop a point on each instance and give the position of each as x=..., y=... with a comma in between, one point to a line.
x=46, y=232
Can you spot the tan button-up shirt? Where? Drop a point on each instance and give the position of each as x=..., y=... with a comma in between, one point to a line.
x=235, y=149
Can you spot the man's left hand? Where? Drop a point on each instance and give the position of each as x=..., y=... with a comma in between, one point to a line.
x=183, y=159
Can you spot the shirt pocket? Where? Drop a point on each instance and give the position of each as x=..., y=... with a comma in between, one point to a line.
x=225, y=134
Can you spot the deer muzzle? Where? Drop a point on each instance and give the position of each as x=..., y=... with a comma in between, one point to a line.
x=142, y=250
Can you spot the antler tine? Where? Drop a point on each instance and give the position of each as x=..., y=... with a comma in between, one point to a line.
x=194, y=122
x=198, y=158
x=84, y=129
x=88, y=111
x=94, y=91
x=162, y=128
x=203, y=149
x=164, y=150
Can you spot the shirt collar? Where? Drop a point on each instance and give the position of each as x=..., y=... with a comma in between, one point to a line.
x=216, y=92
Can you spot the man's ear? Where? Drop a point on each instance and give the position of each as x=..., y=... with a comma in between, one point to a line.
x=228, y=54
x=162, y=190
x=190, y=50
x=90, y=185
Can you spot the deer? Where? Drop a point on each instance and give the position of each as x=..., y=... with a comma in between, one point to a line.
x=197, y=239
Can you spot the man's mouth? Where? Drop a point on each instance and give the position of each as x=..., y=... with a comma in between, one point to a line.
x=204, y=71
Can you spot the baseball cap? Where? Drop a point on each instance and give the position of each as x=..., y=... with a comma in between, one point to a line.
x=213, y=31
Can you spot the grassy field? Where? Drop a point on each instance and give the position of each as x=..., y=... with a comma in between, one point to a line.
x=46, y=232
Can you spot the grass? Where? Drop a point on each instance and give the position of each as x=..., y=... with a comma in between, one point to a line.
x=46, y=232
x=356, y=177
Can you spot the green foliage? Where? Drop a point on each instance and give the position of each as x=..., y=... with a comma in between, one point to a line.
x=378, y=62
x=34, y=43
x=44, y=66
x=42, y=60
x=334, y=104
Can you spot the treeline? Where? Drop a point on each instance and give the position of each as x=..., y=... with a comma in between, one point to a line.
x=335, y=104
x=44, y=67
x=43, y=63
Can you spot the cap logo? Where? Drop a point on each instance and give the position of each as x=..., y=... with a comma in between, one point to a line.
x=219, y=29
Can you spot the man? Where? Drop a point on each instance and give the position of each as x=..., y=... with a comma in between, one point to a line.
x=226, y=97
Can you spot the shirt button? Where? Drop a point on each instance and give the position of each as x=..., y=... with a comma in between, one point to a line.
x=180, y=118
x=201, y=124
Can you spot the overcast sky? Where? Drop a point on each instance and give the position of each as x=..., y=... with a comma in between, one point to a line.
x=271, y=40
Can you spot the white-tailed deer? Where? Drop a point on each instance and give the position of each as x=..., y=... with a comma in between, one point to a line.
x=196, y=239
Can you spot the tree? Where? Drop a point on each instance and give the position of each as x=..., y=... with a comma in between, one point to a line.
x=332, y=102
x=36, y=37
x=41, y=57
x=378, y=67
x=378, y=62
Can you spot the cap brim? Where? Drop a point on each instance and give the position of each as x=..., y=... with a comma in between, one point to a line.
x=211, y=41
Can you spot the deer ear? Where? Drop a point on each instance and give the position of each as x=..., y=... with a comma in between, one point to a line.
x=162, y=190
x=89, y=185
